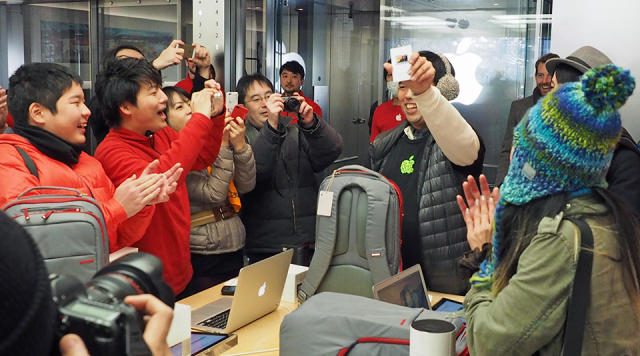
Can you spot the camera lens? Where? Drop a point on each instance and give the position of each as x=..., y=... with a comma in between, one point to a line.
x=136, y=273
x=291, y=104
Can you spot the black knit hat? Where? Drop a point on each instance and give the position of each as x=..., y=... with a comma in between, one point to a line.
x=27, y=311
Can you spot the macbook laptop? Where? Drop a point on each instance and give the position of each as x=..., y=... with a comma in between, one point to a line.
x=258, y=293
x=406, y=288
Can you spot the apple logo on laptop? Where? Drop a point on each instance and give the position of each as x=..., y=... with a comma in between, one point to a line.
x=262, y=289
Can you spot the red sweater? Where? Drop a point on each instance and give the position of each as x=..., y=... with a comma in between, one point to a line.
x=124, y=152
x=386, y=117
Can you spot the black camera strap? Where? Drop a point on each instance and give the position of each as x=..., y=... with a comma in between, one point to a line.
x=580, y=296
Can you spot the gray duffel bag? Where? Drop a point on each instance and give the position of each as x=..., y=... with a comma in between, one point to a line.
x=340, y=324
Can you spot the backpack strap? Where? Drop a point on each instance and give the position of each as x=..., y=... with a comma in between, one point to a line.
x=580, y=295
x=31, y=165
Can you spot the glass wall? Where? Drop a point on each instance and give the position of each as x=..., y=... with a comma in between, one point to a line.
x=77, y=34
x=45, y=32
x=255, y=52
x=149, y=26
x=492, y=46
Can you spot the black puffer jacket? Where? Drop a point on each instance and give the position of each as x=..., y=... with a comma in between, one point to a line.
x=281, y=210
x=442, y=229
x=624, y=173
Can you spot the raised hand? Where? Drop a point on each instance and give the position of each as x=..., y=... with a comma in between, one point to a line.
x=305, y=112
x=170, y=56
x=236, y=133
x=4, y=110
x=478, y=210
x=422, y=73
x=202, y=60
x=275, y=105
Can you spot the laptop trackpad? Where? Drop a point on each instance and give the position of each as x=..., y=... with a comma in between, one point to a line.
x=211, y=309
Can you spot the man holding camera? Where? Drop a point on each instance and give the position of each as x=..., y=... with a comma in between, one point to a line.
x=291, y=81
x=280, y=212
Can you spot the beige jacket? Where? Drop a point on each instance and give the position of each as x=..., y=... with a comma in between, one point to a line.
x=210, y=190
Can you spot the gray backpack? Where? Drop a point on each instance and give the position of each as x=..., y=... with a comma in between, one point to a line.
x=67, y=226
x=358, y=245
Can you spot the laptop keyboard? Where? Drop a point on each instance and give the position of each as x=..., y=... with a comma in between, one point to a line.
x=218, y=321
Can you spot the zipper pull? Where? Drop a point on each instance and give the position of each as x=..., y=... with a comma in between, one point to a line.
x=26, y=214
x=47, y=215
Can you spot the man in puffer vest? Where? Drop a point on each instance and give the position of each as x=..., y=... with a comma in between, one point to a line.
x=428, y=157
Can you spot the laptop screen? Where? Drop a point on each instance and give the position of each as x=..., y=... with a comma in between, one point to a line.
x=405, y=289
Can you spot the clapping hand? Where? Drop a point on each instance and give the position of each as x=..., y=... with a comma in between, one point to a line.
x=478, y=210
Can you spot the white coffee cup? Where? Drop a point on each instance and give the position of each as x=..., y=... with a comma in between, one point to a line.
x=432, y=337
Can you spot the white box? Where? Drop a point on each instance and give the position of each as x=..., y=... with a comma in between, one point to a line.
x=294, y=278
x=180, y=329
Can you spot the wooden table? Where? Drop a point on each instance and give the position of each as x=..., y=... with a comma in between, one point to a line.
x=264, y=333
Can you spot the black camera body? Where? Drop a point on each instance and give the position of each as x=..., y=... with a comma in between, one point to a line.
x=291, y=104
x=96, y=311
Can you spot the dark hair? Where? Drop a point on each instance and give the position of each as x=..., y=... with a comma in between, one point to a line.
x=566, y=73
x=120, y=83
x=42, y=83
x=111, y=54
x=293, y=67
x=385, y=73
x=246, y=81
x=544, y=60
x=438, y=65
x=518, y=225
x=169, y=91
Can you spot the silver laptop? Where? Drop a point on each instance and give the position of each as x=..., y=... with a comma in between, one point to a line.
x=406, y=288
x=258, y=293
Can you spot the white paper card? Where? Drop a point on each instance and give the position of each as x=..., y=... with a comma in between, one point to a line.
x=400, y=63
x=325, y=201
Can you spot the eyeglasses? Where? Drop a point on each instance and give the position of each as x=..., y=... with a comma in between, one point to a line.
x=259, y=99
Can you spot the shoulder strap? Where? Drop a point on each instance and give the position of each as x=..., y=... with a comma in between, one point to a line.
x=31, y=166
x=580, y=296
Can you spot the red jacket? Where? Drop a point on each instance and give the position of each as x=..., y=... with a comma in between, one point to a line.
x=386, y=117
x=87, y=176
x=196, y=146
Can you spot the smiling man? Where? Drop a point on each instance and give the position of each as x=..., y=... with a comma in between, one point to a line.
x=429, y=156
x=291, y=81
x=133, y=105
x=50, y=119
x=519, y=108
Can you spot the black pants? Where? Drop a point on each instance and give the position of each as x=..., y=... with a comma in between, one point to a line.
x=210, y=270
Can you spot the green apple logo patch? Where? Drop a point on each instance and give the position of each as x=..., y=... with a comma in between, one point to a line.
x=407, y=166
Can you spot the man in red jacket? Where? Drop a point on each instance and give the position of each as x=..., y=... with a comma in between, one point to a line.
x=50, y=117
x=133, y=105
x=291, y=81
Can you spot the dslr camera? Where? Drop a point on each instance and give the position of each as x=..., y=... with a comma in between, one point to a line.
x=96, y=311
x=291, y=104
